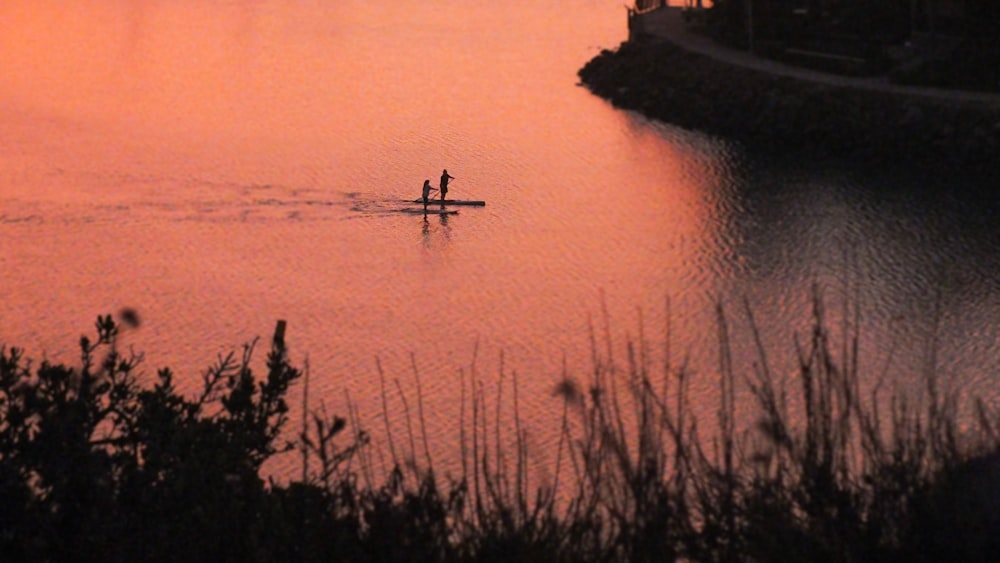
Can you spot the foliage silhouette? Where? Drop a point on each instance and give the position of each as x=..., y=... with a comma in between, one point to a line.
x=93, y=466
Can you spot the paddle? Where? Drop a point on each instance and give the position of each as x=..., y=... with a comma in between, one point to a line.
x=421, y=198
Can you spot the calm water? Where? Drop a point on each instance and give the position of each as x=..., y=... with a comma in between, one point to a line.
x=219, y=165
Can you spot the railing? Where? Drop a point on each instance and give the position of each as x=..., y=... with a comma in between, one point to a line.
x=643, y=6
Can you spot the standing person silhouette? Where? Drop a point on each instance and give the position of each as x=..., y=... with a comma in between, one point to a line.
x=426, y=193
x=444, y=183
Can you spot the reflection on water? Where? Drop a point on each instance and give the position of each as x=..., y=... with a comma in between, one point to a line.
x=221, y=165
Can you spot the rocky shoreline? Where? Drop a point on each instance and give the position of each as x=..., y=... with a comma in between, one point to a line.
x=665, y=82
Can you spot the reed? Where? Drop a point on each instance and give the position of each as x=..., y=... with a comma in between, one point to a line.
x=850, y=476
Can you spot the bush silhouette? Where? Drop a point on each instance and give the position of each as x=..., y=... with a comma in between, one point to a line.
x=96, y=467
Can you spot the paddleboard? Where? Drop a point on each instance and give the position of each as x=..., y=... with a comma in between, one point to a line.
x=478, y=203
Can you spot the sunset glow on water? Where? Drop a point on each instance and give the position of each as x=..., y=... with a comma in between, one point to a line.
x=221, y=165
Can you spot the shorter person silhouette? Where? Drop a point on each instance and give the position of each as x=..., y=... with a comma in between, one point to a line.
x=426, y=193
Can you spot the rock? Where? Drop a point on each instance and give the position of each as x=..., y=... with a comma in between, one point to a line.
x=668, y=83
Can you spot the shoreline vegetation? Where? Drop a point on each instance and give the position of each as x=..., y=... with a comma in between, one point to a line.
x=834, y=464
x=663, y=81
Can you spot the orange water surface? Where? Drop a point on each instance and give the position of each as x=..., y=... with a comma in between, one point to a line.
x=219, y=165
